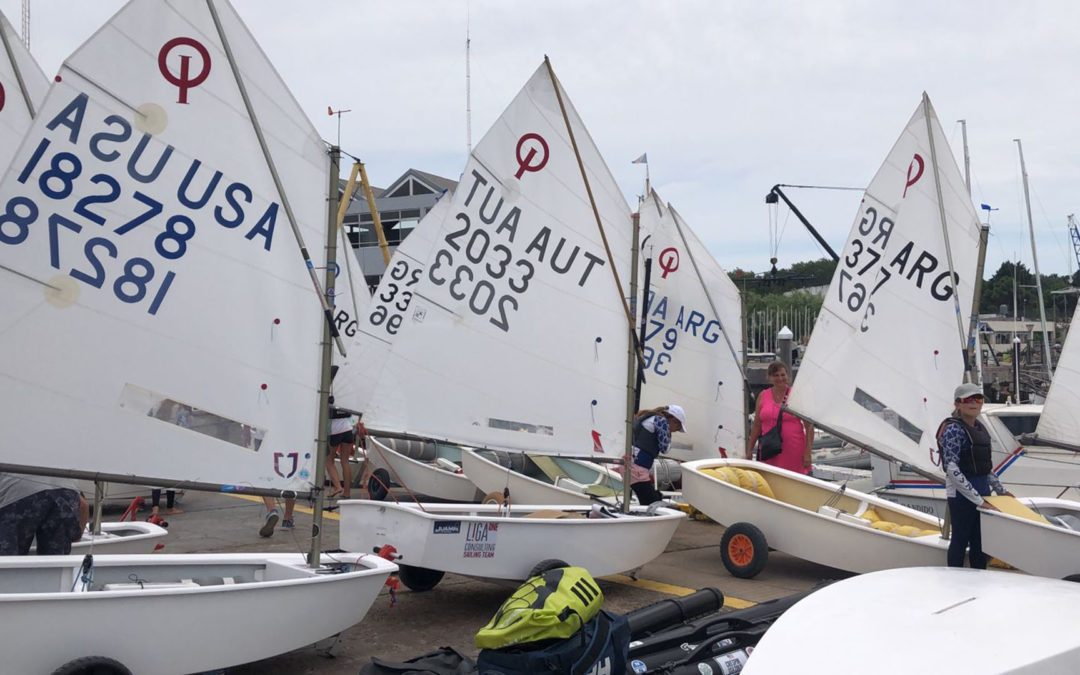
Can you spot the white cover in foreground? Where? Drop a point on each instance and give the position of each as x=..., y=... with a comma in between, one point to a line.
x=929, y=620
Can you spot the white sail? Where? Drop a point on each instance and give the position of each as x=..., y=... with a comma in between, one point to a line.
x=19, y=72
x=515, y=334
x=1059, y=421
x=379, y=316
x=886, y=352
x=693, y=334
x=156, y=315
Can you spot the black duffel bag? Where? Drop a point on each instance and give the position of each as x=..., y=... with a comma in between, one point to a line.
x=598, y=648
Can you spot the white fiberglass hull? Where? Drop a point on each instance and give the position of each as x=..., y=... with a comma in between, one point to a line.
x=791, y=522
x=237, y=608
x=127, y=538
x=492, y=541
x=421, y=478
x=1042, y=549
x=488, y=476
x=925, y=619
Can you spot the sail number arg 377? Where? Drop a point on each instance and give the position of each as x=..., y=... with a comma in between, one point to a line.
x=75, y=200
x=866, y=270
x=484, y=271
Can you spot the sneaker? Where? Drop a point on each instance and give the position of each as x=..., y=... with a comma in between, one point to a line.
x=272, y=518
x=287, y=524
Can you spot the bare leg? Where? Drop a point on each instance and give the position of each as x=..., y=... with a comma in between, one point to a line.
x=345, y=452
x=331, y=471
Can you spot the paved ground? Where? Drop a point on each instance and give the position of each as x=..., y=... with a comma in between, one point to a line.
x=453, y=612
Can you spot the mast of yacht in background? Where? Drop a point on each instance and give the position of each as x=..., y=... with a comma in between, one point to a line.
x=468, y=83
x=974, y=349
x=1035, y=260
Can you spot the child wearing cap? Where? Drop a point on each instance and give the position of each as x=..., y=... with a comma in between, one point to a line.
x=964, y=445
x=652, y=437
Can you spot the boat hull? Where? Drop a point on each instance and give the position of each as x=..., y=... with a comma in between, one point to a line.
x=1037, y=548
x=211, y=626
x=420, y=477
x=490, y=541
x=795, y=526
x=121, y=538
x=490, y=477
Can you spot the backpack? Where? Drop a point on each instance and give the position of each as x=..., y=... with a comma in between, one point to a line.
x=553, y=605
x=600, y=648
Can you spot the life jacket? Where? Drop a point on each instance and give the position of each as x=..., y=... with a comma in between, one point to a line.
x=645, y=441
x=552, y=605
x=977, y=461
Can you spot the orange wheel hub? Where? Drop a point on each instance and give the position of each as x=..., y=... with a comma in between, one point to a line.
x=741, y=550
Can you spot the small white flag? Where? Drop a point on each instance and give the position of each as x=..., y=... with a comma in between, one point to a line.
x=644, y=159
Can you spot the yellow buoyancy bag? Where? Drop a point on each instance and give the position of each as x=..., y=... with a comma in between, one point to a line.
x=555, y=604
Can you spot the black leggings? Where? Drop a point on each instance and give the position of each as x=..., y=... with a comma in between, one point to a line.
x=966, y=531
x=170, y=497
x=646, y=492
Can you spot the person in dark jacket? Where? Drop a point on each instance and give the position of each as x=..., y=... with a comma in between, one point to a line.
x=969, y=475
x=651, y=438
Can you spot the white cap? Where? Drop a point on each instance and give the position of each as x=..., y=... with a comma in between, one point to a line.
x=676, y=411
x=967, y=389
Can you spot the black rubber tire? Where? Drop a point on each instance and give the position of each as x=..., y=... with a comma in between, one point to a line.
x=419, y=579
x=744, y=550
x=378, y=484
x=1072, y=577
x=545, y=565
x=92, y=665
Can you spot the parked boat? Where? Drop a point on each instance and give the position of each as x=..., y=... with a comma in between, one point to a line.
x=155, y=308
x=514, y=336
x=428, y=468
x=879, y=370
x=499, y=542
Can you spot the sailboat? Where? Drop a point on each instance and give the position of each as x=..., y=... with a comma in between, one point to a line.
x=690, y=357
x=24, y=86
x=1044, y=538
x=148, y=265
x=879, y=372
x=516, y=339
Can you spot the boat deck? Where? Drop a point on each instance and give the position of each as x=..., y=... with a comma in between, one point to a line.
x=453, y=612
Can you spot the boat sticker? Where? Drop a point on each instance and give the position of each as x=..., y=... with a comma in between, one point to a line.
x=704, y=669
x=638, y=666
x=480, y=540
x=447, y=527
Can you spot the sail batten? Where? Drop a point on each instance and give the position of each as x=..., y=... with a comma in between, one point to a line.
x=883, y=359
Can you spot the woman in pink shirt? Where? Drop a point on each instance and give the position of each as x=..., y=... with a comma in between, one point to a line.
x=797, y=436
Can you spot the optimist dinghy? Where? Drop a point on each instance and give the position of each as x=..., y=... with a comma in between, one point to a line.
x=155, y=305
x=939, y=609
x=223, y=608
x=499, y=542
x=1037, y=535
x=887, y=338
x=514, y=335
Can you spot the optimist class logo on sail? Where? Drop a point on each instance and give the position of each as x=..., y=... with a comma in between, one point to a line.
x=118, y=209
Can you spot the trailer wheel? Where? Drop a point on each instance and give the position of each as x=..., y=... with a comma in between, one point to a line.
x=744, y=550
x=92, y=665
x=1072, y=577
x=495, y=497
x=545, y=565
x=378, y=484
x=419, y=579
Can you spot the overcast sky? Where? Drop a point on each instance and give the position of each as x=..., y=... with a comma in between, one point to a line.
x=727, y=98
